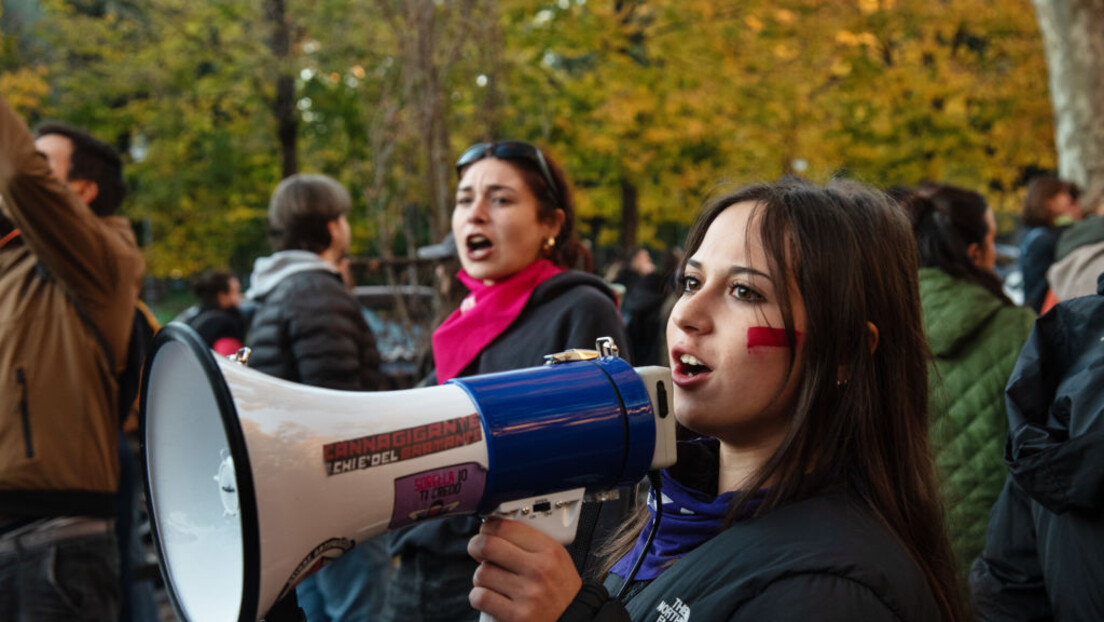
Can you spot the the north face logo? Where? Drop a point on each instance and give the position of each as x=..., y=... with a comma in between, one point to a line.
x=678, y=612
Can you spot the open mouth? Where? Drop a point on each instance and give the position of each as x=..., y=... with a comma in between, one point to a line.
x=478, y=245
x=689, y=365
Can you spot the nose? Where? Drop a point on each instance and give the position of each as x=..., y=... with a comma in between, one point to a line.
x=690, y=314
x=478, y=211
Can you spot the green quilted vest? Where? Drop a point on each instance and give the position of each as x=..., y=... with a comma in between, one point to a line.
x=975, y=339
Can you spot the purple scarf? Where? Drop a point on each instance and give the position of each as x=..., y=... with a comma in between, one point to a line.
x=690, y=518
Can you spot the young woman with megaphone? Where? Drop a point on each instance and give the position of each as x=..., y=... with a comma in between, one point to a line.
x=798, y=354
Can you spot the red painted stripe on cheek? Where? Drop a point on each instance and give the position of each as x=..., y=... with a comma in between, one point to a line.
x=767, y=337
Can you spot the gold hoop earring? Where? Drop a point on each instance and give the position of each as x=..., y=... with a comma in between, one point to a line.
x=549, y=244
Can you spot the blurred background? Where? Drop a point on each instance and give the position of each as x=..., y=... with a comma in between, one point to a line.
x=651, y=104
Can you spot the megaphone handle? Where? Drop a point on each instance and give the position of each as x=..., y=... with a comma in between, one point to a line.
x=556, y=514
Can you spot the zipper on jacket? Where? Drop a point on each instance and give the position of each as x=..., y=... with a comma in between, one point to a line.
x=24, y=412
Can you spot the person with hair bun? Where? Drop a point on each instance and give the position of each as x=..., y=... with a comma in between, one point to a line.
x=514, y=230
x=975, y=333
x=798, y=354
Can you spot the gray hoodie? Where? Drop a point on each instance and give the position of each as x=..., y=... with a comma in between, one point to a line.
x=269, y=271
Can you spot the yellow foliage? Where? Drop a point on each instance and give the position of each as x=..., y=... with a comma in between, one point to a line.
x=847, y=38
x=869, y=6
x=25, y=88
x=840, y=68
x=674, y=96
x=785, y=51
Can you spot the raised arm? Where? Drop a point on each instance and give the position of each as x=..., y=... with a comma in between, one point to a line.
x=94, y=257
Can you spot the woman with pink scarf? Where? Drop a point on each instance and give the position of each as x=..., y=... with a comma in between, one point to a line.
x=514, y=228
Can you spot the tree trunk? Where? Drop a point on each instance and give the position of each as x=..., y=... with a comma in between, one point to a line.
x=283, y=104
x=491, y=45
x=1073, y=34
x=630, y=213
x=428, y=92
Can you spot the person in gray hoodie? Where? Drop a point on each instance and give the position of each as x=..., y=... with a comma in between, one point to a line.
x=308, y=328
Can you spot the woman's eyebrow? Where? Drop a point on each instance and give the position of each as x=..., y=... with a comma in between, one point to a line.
x=735, y=270
x=491, y=188
x=732, y=271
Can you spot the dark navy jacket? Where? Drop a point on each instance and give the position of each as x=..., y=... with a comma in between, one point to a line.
x=1044, y=554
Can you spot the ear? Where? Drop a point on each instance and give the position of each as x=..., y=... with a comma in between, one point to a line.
x=222, y=299
x=556, y=221
x=975, y=253
x=333, y=227
x=872, y=336
x=843, y=372
x=85, y=189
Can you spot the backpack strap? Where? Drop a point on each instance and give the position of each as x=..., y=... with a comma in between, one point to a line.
x=43, y=272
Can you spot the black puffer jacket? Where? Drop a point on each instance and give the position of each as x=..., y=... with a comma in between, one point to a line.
x=1042, y=558
x=307, y=328
x=213, y=324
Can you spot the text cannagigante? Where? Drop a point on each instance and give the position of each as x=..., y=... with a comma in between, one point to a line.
x=398, y=445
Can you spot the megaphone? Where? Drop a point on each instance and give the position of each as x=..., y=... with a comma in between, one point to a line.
x=253, y=482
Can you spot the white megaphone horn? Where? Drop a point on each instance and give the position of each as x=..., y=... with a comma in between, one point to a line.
x=253, y=482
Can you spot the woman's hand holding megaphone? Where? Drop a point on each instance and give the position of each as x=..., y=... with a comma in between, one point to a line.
x=524, y=575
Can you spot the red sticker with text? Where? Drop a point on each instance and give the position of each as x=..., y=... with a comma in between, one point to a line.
x=390, y=447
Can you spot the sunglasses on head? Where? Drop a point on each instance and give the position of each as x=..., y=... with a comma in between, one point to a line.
x=511, y=150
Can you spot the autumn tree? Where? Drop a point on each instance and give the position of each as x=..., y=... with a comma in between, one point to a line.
x=655, y=104
x=650, y=104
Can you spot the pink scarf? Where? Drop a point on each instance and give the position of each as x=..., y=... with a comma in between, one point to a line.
x=485, y=314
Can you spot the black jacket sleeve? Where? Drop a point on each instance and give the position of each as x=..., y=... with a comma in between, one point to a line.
x=593, y=604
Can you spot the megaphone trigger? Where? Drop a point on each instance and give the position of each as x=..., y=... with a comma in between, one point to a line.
x=557, y=514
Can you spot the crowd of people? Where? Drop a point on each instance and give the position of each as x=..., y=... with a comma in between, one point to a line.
x=870, y=428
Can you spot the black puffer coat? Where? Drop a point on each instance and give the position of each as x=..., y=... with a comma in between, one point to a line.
x=213, y=324
x=1042, y=558
x=307, y=328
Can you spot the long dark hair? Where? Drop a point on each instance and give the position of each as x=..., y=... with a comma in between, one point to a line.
x=851, y=253
x=946, y=220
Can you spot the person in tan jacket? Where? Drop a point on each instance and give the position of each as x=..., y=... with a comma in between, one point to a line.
x=69, y=280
